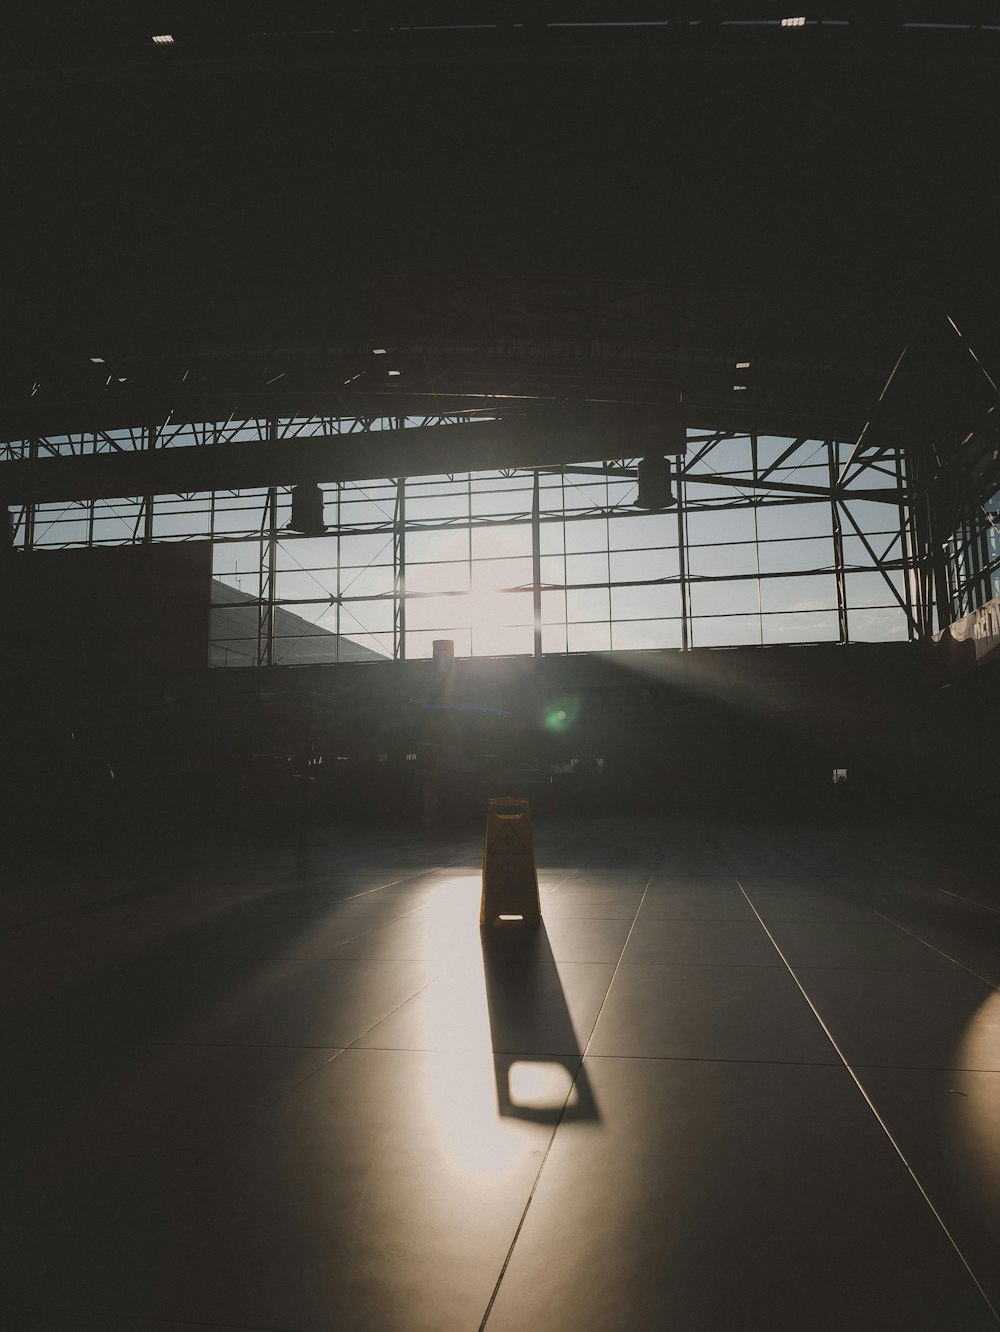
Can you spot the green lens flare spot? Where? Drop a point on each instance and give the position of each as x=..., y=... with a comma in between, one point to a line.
x=561, y=714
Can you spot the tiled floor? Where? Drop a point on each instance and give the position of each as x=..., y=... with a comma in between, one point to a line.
x=741, y=1078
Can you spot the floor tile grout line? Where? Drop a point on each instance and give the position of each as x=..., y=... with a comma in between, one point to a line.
x=234, y=1132
x=825, y=879
x=878, y=1118
x=555, y=1128
x=933, y=947
x=795, y=1063
x=971, y=900
x=287, y=1091
x=336, y=1050
x=385, y=1016
x=806, y=966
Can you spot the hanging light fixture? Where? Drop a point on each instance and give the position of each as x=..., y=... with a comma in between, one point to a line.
x=307, y=511
x=654, y=484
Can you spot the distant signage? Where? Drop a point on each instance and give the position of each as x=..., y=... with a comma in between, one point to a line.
x=969, y=642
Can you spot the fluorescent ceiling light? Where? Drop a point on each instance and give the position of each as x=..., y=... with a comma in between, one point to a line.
x=97, y=360
x=393, y=372
x=742, y=365
x=378, y=351
x=164, y=39
x=793, y=23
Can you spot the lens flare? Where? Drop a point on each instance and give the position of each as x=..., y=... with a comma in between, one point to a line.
x=562, y=713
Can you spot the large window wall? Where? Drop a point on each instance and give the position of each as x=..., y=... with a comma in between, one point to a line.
x=763, y=547
x=971, y=563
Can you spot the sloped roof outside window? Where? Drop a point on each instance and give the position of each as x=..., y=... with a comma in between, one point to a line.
x=297, y=642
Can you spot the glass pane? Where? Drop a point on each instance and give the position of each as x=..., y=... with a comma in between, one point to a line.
x=724, y=598
x=235, y=558
x=422, y=644
x=302, y=649
x=872, y=516
x=589, y=638
x=452, y=544
x=553, y=569
x=722, y=560
x=355, y=550
x=587, y=568
x=491, y=574
x=877, y=626
x=871, y=589
x=116, y=529
x=728, y=631
x=551, y=538
x=374, y=581
x=588, y=534
x=428, y=508
x=553, y=607
x=501, y=495
x=802, y=627
x=628, y=565
x=554, y=638
x=500, y=640
x=806, y=592
x=628, y=603
x=367, y=617
x=243, y=512
x=504, y=539
x=637, y=634
x=308, y=552
x=582, y=493
x=621, y=492
x=709, y=526
x=296, y=583
x=777, y=556
x=884, y=546
x=505, y=608
x=589, y=603
x=318, y=616
x=60, y=527
x=729, y=455
x=372, y=508
x=437, y=612
x=176, y=516
x=794, y=520
x=452, y=577
x=642, y=531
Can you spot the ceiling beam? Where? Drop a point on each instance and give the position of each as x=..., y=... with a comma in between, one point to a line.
x=244, y=465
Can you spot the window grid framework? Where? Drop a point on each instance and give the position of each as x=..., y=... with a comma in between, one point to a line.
x=762, y=548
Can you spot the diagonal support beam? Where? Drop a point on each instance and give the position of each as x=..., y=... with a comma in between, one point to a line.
x=904, y=605
x=859, y=443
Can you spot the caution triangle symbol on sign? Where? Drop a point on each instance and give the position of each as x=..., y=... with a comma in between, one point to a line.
x=507, y=843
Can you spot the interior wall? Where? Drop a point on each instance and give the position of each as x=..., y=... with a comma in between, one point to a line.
x=742, y=733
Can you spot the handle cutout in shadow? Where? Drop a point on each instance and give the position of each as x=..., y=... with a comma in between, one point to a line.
x=537, y=1058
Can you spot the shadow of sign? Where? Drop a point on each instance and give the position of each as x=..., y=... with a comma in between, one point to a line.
x=537, y=1058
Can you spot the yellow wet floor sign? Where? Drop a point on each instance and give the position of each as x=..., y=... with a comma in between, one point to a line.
x=510, y=881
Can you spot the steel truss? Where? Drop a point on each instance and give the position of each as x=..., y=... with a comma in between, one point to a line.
x=701, y=484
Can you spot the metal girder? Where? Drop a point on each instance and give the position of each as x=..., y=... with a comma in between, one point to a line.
x=888, y=495
x=537, y=441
